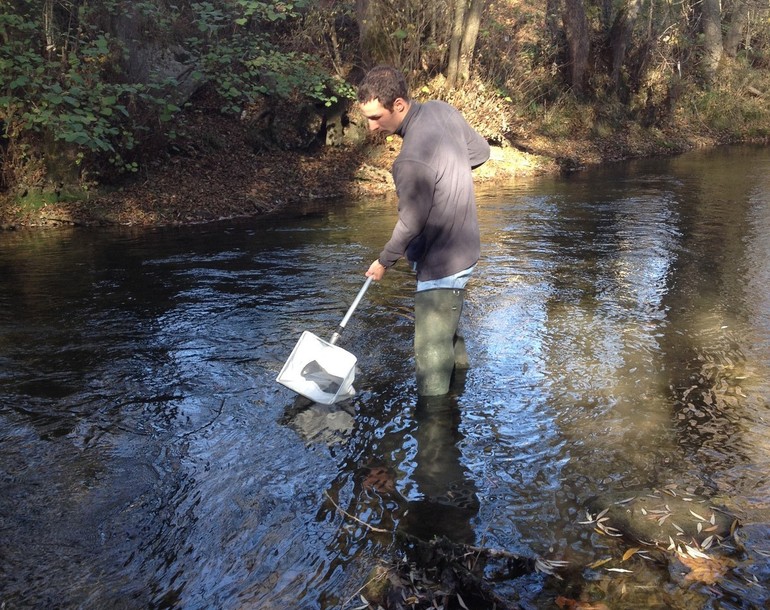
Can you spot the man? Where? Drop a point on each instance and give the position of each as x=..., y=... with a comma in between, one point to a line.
x=437, y=228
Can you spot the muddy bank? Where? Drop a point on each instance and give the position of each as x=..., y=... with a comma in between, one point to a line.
x=213, y=173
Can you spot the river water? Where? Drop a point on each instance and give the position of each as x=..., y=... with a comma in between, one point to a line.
x=619, y=331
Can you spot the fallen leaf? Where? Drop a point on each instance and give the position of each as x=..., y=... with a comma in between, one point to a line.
x=694, y=552
x=461, y=602
x=630, y=553
x=573, y=604
x=707, y=571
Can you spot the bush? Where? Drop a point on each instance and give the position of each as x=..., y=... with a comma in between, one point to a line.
x=68, y=101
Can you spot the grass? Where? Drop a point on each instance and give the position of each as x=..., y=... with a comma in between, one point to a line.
x=36, y=200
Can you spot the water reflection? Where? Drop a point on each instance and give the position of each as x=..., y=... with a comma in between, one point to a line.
x=619, y=339
x=446, y=497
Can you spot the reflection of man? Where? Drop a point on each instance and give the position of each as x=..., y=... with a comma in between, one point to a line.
x=449, y=500
x=437, y=228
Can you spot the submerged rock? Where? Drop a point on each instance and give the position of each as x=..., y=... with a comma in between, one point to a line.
x=664, y=518
x=316, y=422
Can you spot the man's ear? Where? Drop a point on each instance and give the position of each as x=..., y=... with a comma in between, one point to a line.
x=399, y=104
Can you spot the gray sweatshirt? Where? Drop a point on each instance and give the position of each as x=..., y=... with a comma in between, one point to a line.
x=437, y=227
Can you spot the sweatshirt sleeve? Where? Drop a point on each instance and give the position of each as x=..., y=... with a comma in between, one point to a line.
x=478, y=147
x=415, y=183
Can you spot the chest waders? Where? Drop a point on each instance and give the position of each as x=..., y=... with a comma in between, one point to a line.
x=438, y=349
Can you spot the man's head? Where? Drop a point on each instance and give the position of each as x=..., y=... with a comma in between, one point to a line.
x=383, y=98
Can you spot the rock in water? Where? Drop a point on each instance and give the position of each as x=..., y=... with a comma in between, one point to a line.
x=661, y=518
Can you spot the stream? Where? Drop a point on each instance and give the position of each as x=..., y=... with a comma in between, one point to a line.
x=618, y=327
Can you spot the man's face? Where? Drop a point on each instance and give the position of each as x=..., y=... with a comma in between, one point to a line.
x=380, y=118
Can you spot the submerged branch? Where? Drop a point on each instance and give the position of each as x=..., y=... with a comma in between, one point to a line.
x=354, y=518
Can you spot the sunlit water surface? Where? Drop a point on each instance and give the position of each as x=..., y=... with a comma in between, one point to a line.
x=619, y=331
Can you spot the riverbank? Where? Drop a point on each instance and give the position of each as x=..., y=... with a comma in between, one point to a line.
x=212, y=173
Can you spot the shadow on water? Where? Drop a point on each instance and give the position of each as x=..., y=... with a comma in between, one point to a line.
x=620, y=344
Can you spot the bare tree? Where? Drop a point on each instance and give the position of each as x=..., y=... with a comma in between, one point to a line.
x=578, y=42
x=711, y=25
x=465, y=31
x=365, y=17
x=620, y=37
x=470, y=36
x=453, y=67
x=411, y=35
x=739, y=18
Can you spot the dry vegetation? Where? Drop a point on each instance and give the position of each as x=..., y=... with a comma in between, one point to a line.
x=213, y=173
x=517, y=98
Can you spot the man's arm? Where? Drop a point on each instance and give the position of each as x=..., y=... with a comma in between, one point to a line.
x=478, y=147
x=415, y=184
x=476, y=144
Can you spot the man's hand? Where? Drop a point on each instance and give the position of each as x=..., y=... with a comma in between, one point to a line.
x=376, y=271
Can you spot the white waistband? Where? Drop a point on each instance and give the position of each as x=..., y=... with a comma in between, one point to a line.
x=456, y=281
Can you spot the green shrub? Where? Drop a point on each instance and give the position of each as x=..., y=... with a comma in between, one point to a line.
x=66, y=88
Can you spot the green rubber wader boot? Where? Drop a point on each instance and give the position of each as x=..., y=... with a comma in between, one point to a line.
x=461, y=355
x=436, y=316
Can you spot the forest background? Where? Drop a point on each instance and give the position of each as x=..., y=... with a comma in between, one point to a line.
x=171, y=111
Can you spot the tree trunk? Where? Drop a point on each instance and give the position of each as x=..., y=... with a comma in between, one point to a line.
x=455, y=42
x=736, y=27
x=364, y=17
x=711, y=22
x=470, y=36
x=48, y=27
x=578, y=42
x=620, y=37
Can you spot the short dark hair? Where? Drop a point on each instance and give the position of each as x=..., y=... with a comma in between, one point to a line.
x=383, y=83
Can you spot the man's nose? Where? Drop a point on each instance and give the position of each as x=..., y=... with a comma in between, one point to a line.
x=373, y=125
